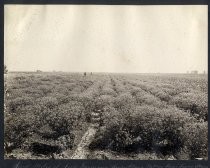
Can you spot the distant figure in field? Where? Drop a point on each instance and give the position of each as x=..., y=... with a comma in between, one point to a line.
x=91, y=73
x=84, y=73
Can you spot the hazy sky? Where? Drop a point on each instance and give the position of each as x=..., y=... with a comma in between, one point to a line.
x=106, y=38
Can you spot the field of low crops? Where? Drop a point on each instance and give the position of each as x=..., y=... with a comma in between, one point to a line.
x=142, y=116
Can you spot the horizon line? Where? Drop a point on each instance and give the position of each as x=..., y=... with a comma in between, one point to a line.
x=41, y=71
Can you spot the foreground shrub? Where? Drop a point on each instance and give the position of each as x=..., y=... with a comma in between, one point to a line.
x=124, y=102
x=112, y=121
x=195, y=137
x=17, y=104
x=66, y=118
x=145, y=128
x=48, y=102
x=195, y=102
x=19, y=127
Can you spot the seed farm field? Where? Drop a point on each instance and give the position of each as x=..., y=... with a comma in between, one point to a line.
x=105, y=116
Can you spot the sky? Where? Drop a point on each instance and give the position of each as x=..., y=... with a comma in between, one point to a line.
x=105, y=38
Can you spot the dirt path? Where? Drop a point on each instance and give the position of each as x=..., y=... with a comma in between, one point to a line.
x=82, y=150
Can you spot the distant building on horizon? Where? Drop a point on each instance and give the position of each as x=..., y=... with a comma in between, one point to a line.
x=194, y=72
x=5, y=69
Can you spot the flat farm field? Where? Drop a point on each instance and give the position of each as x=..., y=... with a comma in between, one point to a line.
x=105, y=116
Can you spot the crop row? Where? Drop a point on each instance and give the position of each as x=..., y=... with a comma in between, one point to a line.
x=42, y=109
x=139, y=119
x=139, y=113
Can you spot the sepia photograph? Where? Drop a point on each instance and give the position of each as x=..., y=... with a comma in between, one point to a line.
x=106, y=82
